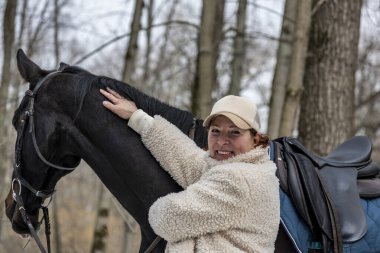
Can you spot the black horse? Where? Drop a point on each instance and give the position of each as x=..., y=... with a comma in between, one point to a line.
x=61, y=120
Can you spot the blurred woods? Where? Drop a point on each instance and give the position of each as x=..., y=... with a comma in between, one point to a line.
x=312, y=66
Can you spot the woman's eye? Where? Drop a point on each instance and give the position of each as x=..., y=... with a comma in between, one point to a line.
x=214, y=131
x=236, y=132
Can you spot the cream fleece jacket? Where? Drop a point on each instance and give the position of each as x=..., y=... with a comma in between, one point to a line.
x=227, y=206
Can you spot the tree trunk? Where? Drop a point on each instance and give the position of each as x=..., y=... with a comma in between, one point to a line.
x=148, y=41
x=239, y=49
x=132, y=234
x=130, y=56
x=99, y=242
x=281, y=72
x=367, y=95
x=35, y=36
x=56, y=32
x=327, y=112
x=162, y=62
x=296, y=72
x=208, y=47
x=56, y=227
x=8, y=41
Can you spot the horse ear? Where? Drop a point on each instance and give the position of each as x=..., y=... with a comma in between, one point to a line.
x=62, y=66
x=30, y=71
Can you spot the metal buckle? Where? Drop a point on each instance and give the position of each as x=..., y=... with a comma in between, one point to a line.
x=29, y=93
x=13, y=190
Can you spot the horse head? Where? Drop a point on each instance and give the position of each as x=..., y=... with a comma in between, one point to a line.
x=42, y=153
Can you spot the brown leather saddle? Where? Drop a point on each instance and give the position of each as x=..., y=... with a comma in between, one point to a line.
x=326, y=190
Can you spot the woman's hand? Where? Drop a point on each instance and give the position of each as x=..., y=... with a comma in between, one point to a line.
x=117, y=104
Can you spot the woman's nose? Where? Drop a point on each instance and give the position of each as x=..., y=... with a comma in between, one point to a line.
x=223, y=140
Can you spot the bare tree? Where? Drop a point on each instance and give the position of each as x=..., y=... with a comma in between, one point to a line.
x=148, y=40
x=162, y=59
x=208, y=47
x=281, y=72
x=56, y=31
x=55, y=217
x=130, y=56
x=367, y=98
x=239, y=49
x=8, y=43
x=35, y=35
x=327, y=111
x=297, y=66
x=101, y=232
x=132, y=232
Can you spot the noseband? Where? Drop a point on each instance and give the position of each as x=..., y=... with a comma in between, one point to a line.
x=20, y=181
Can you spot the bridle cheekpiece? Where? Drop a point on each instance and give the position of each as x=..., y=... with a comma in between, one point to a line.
x=19, y=181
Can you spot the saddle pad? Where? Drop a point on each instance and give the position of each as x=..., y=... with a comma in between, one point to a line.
x=300, y=234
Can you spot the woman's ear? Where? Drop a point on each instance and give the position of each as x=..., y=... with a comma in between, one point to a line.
x=256, y=140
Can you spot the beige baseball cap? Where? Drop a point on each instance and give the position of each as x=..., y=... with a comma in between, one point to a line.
x=240, y=110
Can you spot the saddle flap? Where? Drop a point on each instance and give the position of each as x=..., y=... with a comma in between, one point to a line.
x=306, y=194
x=341, y=185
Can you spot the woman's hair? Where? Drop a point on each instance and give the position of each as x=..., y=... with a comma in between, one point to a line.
x=263, y=140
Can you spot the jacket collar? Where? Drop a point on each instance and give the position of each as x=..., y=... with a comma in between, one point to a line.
x=257, y=155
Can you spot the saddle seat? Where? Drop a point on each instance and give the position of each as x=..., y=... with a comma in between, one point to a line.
x=324, y=190
x=355, y=152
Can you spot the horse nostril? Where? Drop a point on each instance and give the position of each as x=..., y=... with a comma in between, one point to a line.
x=24, y=236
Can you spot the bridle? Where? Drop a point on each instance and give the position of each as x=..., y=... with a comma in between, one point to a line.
x=20, y=181
x=44, y=194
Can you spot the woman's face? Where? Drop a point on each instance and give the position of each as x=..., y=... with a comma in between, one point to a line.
x=226, y=140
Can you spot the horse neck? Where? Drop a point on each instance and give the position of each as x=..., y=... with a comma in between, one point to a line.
x=180, y=118
x=184, y=120
x=116, y=154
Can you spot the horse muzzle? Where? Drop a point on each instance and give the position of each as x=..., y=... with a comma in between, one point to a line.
x=14, y=215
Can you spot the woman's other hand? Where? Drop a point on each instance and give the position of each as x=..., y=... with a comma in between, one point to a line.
x=119, y=105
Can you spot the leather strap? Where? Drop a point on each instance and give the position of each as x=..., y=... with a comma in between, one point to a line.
x=192, y=129
x=153, y=244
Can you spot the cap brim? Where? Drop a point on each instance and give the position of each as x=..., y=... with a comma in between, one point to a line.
x=239, y=122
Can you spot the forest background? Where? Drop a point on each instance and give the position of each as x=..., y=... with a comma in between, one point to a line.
x=311, y=65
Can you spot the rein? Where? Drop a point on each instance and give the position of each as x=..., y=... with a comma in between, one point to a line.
x=43, y=194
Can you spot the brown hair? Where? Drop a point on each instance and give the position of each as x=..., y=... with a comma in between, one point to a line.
x=263, y=140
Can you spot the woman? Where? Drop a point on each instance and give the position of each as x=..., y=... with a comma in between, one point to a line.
x=230, y=201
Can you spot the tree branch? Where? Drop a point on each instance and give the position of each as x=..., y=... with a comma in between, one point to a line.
x=370, y=99
x=101, y=47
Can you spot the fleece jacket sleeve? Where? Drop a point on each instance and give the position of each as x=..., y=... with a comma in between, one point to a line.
x=175, y=151
x=214, y=204
x=140, y=121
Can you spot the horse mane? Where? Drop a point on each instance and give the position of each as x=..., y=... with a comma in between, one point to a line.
x=86, y=81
